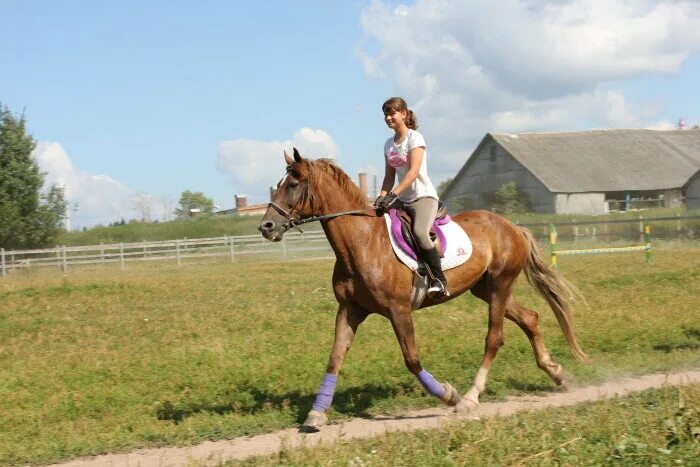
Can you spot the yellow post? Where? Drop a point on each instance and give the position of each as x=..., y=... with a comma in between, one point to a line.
x=552, y=245
x=647, y=241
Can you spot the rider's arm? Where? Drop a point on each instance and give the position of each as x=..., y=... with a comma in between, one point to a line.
x=415, y=158
x=389, y=177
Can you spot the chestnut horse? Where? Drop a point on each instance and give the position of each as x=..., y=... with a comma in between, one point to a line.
x=368, y=277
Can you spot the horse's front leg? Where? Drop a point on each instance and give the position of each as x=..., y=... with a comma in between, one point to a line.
x=346, y=322
x=403, y=327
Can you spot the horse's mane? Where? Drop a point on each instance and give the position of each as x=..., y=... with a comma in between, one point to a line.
x=309, y=167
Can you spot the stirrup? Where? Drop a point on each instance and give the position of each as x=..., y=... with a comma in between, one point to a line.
x=437, y=288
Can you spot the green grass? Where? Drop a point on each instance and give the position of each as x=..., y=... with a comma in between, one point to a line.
x=102, y=360
x=654, y=427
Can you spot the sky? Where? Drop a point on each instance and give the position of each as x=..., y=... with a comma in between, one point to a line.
x=133, y=102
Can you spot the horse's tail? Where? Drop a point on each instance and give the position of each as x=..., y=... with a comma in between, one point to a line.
x=555, y=289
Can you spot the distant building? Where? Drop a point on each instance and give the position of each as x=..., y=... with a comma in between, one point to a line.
x=588, y=172
x=243, y=209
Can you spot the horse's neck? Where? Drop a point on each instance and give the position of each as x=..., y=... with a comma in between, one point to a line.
x=344, y=233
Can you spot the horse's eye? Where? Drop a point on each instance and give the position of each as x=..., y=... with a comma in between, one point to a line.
x=293, y=184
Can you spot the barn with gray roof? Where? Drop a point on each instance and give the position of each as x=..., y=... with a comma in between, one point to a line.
x=587, y=172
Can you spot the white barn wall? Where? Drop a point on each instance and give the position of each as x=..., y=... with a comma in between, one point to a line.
x=674, y=197
x=580, y=203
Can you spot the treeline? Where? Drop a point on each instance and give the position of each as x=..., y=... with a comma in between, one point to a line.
x=135, y=231
x=31, y=214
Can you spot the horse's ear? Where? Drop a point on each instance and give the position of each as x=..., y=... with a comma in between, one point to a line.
x=288, y=159
x=297, y=156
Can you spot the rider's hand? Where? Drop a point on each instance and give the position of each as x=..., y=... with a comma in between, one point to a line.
x=378, y=201
x=387, y=201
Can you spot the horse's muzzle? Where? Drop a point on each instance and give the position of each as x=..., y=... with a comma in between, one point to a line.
x=271, y=231
x=266, y=226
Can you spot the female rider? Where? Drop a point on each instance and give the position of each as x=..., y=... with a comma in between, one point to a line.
x=405, y=155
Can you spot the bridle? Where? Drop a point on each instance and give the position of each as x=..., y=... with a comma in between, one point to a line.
x=294, y=222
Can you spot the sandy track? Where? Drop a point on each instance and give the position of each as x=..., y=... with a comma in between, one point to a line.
x=212, y=453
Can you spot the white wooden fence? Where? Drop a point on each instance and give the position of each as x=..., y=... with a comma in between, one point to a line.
x=235, y=248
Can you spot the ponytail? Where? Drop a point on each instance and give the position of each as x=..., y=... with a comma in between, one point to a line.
x=411, y=120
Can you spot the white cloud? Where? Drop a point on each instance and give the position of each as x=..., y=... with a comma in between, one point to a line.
x=100, y=198
x=255, y=165
x=516, y=65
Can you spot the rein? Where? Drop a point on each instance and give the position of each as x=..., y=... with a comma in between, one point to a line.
x=295, y=222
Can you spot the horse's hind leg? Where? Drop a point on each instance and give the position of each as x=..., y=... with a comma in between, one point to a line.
x=529, y=323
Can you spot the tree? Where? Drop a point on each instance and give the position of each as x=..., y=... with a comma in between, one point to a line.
x=28, y=218
x=142, y=205
x=166, y=203
x=510, y=200
x=52, y=213
x=443, y=186
x=193, y=200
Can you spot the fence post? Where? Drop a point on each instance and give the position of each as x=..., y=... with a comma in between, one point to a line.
x=177, y=251
x=2, y=262
x=230, y=249
x=552, y=245
x=65, y=259
x=641, y=228
x=647, y=241
x=121, y=255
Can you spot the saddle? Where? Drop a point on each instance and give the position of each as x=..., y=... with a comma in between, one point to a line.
x=401, y=229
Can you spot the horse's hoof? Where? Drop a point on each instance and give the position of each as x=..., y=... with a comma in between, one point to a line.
x=452, y=397
x=466, y=406
x=557, y=374
x=314, y=421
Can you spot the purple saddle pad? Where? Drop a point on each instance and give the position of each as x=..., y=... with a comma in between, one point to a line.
x=405, y=243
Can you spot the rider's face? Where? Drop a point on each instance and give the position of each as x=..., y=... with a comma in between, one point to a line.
x=395, y=119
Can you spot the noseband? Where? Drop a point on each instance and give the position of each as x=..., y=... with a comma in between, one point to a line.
x=292, y=222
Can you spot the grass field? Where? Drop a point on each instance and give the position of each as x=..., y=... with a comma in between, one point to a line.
x=655, y=427
x=102, y=361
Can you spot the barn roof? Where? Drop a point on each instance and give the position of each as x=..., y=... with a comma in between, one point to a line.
x=606, y=160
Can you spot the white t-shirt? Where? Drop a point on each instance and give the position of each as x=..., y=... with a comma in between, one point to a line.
x=396, y=155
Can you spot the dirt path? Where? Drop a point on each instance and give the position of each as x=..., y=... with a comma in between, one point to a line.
x=214, y=453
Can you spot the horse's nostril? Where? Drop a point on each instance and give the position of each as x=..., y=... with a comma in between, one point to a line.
x=269, y=225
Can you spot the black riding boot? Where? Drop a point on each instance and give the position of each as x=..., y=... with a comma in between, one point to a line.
x=438, y=285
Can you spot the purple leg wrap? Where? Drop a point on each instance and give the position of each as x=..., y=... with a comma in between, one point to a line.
x=325, y=393
x=431, y=385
